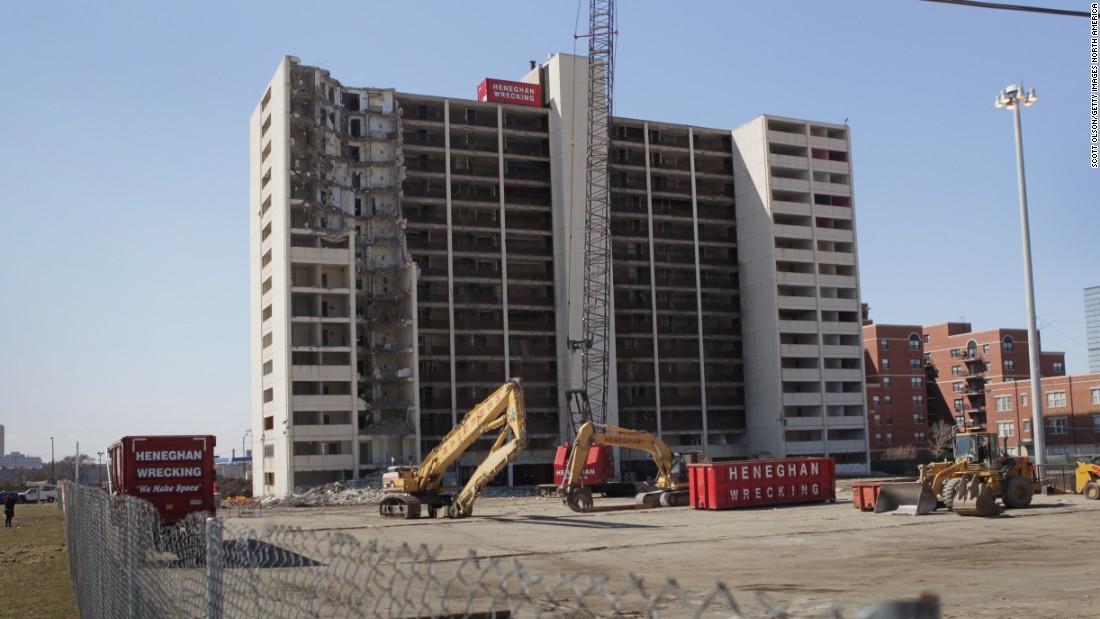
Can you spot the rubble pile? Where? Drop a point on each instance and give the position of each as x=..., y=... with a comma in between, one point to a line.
x=369, y=492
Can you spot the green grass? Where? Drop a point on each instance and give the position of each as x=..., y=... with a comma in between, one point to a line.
x=34, y=566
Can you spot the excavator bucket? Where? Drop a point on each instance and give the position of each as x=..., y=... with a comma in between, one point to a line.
x=974, y=498
x=906, y=498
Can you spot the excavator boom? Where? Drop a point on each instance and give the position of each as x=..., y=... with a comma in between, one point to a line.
x=410, y=488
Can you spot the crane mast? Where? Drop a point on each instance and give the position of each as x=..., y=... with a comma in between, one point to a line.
x=596, y=317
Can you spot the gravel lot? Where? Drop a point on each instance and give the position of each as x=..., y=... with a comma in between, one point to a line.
x=1037, y=562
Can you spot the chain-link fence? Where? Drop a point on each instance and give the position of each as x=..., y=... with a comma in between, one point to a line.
x=124, y=565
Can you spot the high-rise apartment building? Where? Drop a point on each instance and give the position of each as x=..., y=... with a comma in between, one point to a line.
x=409, y=253
x=1092, y=326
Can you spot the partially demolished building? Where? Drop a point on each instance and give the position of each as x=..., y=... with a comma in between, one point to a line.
x=410, y=253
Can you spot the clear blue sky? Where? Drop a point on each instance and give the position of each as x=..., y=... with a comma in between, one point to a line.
x=124, y=166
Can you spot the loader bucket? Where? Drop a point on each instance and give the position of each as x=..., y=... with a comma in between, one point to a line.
x=974, y=498
x=906, y=498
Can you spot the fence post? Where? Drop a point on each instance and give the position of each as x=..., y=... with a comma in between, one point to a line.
x=130, y=544
x=213, y=568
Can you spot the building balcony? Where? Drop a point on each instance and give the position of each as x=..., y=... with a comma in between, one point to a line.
x=842, y=351
x=321, y=402
x=783, y=137
x=836, y=144
x=848, y=398
x=835, y=257
x=332, y=432
x=795, y=423
x=799, y=279
x=789, y=161
x=803, y=375
x=314, y=255
x=792, y=232
x=321, y=372
x=801, y=399
x=850, y=375
x=324, y=463
x=782, y=207
x=799, y=350
x=794, y=255
x=798, y=326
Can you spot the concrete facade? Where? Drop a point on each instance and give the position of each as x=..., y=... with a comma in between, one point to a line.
x=412, y=252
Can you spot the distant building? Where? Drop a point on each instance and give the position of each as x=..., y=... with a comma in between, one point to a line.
x=897, y=406
x=972, y=380
x=2, y=450
x=16, y=460
x=1092, y=326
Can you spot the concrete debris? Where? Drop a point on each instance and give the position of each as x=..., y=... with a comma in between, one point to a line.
x=369, y=492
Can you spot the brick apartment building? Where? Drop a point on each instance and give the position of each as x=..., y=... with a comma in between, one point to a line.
x=972, y=379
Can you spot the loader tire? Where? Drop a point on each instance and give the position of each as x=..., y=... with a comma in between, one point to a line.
x=1092, y=491
x=950, y=487
x=1018, y=492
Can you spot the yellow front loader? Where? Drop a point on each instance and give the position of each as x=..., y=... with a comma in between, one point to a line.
x=1088, y=480
x=969, y=486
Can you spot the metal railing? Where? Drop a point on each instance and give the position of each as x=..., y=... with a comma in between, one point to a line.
x=125, y=565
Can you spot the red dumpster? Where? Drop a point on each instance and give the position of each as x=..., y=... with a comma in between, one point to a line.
x=865, y=493
x=755, y=483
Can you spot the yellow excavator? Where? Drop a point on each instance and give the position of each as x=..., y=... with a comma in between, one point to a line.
x=969, y=486
x=669, y=489
x=408, y=488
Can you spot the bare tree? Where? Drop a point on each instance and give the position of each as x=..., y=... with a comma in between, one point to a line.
x=941, y=436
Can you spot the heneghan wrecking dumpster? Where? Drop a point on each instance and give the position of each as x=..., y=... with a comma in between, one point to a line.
x=756, y=483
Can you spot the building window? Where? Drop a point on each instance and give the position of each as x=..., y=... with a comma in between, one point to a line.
x=1027, y=426
x=986, y=366
x=958, y=406
x=959, y=420
x=889, y=438
x=883, y=344
x=956, y=353
x=269, y=479
x=1096, y=424
x=878, y=438
x=886, y=364
x=1059, y=425
x=874, y=400
x=1004, y=402
x=269, y=395
x=957, y=387
x=1010, y=364
x=890, y=419
x=914, y=364
x=914, y=342
x=985, y=349
x=918, y=400
x=1023, y=399
x=918, y=418
x=917, y=382
x=1007, y=345
x=1006, y=428
x=1059, y=367
x=885, y=381
x=918, y=437
x=888, y=401
x=956, y=370
x=927, y=339
x=1096, y=396
x=928, y=357
x=1056, y=399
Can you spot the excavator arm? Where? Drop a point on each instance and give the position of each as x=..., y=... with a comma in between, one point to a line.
x=503, y=410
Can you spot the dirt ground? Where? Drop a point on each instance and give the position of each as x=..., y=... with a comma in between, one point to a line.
x=1037, y=562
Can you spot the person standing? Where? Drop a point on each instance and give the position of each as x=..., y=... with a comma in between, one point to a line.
x=9, y=509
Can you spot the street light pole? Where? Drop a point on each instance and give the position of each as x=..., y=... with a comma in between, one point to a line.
x=1013, y=97
x=53, y=470
x=99, y=468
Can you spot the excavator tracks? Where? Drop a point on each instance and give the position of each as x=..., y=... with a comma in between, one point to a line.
x=403, y=506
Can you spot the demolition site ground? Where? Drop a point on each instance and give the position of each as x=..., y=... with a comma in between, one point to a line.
x=1035, y=562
